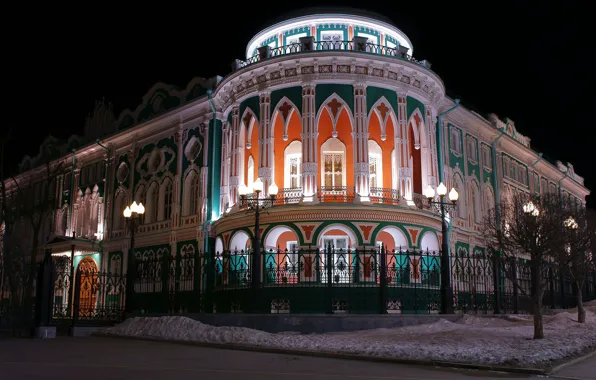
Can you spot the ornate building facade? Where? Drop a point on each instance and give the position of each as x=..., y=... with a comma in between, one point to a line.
x=333, y=110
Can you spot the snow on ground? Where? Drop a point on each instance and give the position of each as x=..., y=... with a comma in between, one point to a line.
x=482, y=340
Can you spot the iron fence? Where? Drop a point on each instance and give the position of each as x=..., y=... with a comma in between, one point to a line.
x=313, y=280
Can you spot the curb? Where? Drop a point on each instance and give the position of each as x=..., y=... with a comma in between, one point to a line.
x=332, y=355
x=556, y=369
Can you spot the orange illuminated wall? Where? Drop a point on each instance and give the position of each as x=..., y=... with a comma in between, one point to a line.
x=344, y=134
x=253, y=151
x=374, y=129
x=279, y=145
x=416, y=162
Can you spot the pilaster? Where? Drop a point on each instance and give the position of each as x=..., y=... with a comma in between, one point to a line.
x=309, y=144
x=265, y=140
x=237, y=175
x=180, y=139
x=405, y=174
x=361, y=167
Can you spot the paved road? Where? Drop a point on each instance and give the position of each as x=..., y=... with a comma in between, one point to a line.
x=584, y=370
x=107, y=358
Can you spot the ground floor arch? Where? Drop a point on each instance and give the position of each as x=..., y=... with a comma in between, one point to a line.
x=88, y=281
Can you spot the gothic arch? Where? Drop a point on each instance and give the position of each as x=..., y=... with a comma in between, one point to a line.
x=384, y=116
x=334, y=105
x=285, y=113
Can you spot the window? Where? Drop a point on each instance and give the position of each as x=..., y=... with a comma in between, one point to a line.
x=292, y=166
x=340, y=255
x=168, y=199
x=472, y=150
x=506, y=166
x=332, y=166
x=154, y=203
x=372, y=163
x=294, y=170
x=194, y=195
x=251, y=172
x=375, y=163
x=487, y=157
x=455, y=140
x=331, y=40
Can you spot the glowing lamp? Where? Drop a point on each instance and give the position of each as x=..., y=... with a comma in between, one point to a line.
x=441, y=189
x=242, y=190
x=258, y=186
x=453, y=195
x=273, y=189
x=429, y=192
x=127, y=213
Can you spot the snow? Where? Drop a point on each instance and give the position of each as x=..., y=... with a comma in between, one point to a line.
x=479, y=340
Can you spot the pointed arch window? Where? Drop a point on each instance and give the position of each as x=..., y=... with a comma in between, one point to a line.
x=293, y=165
x=375, y=163
x=168, y=199
x=194, y=194
x=251, y=172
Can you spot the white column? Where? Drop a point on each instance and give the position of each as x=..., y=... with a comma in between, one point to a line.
x=405, y=173
x=361, y=165
x=309, y=144
x=265, y=141
x=236, y=162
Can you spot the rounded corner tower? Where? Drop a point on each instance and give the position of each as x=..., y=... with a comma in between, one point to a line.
x=329, y=124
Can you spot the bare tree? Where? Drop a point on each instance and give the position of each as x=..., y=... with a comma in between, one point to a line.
x=525, y=227
x=575, y=255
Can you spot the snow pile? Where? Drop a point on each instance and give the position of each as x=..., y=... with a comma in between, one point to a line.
x=482, y=340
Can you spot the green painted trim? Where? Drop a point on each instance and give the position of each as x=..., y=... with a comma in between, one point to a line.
x=294, y=94
x=439, y=141
x=373, y=94
x=343, y=91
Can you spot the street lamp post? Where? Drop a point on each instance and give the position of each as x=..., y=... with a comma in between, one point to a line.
x=446, y=289
x=254, y=202
x=132, y=215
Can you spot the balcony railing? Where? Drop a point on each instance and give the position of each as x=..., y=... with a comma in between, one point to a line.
x=308, y=44
x=347, y=194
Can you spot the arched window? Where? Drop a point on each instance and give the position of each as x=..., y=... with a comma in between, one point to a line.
x=333, y=168
x=152, y=209
x=119, y=207
x=293, y=165
x=375, y=163
x=475, y=203
x=251, y=172
x=460, y=209
x=167, y=200
x=194, y=194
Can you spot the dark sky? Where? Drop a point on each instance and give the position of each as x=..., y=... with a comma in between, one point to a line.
x=526, y=60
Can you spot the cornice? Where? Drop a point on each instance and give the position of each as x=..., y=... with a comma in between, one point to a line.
x=330, y=67
x=320, y=212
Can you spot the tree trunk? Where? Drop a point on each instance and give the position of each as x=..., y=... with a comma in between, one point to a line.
x=538, y=323
x=581, y=312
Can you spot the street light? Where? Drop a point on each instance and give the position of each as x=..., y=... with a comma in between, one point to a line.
x=446, y=289
x=132, y=215
x=531, y=209
x=571, y=223
x=254, y=202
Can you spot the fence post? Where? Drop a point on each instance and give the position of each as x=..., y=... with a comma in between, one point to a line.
x=562, y=285
x=383, y=281
x=76, y=303
x=329, y=268
x=45, y=291
x=515, y=290
x=497, y=282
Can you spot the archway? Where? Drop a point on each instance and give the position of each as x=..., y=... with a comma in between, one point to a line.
x=282, y=256
x=392, y=238
x=88, y=286
x=338, y=240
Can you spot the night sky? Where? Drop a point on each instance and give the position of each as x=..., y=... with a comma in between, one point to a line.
x=529, y=62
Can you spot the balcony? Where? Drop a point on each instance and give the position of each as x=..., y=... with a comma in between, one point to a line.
x=347, y=194
x=308, y=44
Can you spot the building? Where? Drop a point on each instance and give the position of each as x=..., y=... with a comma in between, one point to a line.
x=331, y=108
